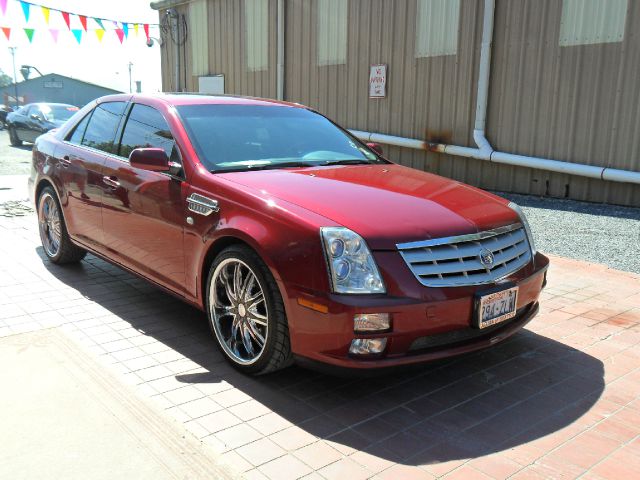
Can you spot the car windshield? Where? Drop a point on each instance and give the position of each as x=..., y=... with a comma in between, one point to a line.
x=252, y=137
x=58, y=112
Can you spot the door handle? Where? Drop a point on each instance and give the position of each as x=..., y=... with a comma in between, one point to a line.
x=65, y=161
x=111, y=181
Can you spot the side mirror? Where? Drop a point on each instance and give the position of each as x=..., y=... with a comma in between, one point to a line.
x=152, y=159
x=35, y=116
x=376, y=147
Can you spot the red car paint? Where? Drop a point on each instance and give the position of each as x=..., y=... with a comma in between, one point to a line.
x=141, y=225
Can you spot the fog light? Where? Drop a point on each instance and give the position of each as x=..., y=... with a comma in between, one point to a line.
x=371, y=322
x=367, y=346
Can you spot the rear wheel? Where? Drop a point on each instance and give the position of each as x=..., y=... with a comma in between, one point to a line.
x=53, y=232
x=13, y=137
x=246, y=313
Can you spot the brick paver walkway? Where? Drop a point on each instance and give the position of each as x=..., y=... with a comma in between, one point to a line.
x=559, y=400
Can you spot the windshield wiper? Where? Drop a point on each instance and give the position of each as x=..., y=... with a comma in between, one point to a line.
x=265, y=166
x=350, y=161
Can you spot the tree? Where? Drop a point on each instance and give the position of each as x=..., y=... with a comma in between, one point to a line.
x=5, y=80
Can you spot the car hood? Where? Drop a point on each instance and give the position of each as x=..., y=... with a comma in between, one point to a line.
x=386, y=204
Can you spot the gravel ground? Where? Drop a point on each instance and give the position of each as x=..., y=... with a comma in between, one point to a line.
x=13, y=160
x=593, y=232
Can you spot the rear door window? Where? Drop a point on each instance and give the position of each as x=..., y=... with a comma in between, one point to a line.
x=147, y=128
x=78, y=132
x=102, y=127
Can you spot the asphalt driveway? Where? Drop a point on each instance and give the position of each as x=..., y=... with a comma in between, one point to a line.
x=13, y=160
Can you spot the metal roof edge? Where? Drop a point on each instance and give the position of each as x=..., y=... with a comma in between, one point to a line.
x=162, y=4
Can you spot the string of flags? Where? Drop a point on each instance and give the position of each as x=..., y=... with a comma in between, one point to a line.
x=97, y=25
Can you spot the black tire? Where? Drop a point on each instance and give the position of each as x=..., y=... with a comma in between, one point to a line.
x=67, y=251
x=13, y=137
x=276, y=353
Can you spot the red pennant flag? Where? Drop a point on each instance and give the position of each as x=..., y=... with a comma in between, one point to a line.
x=120, y=34
x=7, y=32
x=146, y=30
x=83, y=21
x=65, y=15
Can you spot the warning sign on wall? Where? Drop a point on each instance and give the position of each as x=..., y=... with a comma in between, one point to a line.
x=378, y=81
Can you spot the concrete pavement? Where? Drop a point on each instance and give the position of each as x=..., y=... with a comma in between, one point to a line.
x=63, y=416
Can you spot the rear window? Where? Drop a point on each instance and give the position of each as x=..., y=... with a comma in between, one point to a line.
x=103, y=125
x=54, y=113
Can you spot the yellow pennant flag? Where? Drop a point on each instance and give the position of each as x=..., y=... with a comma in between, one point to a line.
x=99, y=34
x=135, y=28
x=45, y=13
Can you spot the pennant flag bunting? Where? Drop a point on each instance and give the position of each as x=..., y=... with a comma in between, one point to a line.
x=65, y=15
x=77, y=33
x=26, y=8
x=119, y=27
x=29, y=32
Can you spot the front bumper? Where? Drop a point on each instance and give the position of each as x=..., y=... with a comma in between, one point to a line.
x=433, y=326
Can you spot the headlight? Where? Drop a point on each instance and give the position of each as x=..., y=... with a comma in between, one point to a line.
x=523, y=219
x=351, y=266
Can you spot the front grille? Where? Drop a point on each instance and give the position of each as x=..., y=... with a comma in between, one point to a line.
x=456, y=261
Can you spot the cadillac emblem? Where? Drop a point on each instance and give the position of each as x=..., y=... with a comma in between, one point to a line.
x=486, y=258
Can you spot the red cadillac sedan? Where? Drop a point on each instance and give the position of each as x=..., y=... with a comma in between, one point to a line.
x=300, y=242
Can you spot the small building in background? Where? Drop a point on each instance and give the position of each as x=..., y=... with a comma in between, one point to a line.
x=54, y=88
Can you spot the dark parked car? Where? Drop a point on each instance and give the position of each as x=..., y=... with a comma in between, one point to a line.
x=32, y=120
x=299, y=241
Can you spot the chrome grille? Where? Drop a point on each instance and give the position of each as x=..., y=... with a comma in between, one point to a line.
x=456, y=261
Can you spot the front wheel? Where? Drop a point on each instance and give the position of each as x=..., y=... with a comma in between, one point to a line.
x=246, y=312
x=53, y=232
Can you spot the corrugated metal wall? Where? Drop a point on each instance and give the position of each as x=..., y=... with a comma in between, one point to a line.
x=575, y=103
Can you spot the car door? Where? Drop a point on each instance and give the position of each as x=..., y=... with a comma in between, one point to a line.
x=20, y=122
x=143, y=211
x=34, y=124
x=81, y=159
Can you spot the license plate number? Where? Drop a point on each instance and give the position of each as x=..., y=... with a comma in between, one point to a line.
x=497, y=307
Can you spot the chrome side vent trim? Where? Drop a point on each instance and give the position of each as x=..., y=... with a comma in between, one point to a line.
x=473, y=259
x=201, y=205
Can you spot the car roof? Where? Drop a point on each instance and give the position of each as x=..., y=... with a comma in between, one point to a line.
x=179, y=99
x=50, y=104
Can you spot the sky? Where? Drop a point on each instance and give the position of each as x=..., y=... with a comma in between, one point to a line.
x=102, y=62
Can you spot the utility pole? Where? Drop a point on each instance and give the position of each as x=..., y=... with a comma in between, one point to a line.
x=15, y=77
x=130, y=85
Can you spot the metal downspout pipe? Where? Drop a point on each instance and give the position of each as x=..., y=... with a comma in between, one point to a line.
x=484, y=150
x=280, y=53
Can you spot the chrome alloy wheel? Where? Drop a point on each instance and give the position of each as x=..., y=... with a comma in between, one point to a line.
x=49, y=222
x=239, y=311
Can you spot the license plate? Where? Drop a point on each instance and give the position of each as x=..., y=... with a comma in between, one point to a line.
x=497, y=307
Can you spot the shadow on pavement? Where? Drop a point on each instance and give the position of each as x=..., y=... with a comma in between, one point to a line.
x=513, y=393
